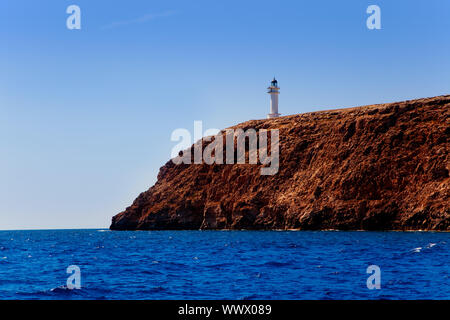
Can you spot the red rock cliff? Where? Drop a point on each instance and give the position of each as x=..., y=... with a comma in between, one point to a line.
x=379, y=167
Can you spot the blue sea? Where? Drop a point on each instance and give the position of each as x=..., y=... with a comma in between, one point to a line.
x=223, y=264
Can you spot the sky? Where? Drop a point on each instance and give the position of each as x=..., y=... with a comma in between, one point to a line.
x=86, y=115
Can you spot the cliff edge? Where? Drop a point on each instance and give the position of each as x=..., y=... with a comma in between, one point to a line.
x=378, y=167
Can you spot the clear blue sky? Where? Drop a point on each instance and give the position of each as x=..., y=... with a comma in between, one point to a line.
x=86, y=115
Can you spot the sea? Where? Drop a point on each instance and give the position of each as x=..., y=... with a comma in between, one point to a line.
x=247, y=265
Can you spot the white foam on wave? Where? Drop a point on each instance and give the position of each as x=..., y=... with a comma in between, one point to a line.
x=428, y=246
x=60, y=288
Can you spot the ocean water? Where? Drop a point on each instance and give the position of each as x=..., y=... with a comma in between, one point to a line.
x=223, y=264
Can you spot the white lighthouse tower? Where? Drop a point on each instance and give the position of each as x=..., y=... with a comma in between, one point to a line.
x=274, y=92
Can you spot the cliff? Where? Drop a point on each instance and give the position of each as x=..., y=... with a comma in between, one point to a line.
x=378, y=167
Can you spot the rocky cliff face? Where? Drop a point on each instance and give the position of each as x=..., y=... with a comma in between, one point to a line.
x=380, y=167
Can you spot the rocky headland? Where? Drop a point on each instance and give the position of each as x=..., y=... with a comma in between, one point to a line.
x=377, y=167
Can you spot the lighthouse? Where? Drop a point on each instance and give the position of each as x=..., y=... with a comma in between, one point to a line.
x=274, y=92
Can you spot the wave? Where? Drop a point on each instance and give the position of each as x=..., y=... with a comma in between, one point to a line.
x=277, y=264
x=220, y=265
x=427, y=247
x=62, y=289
